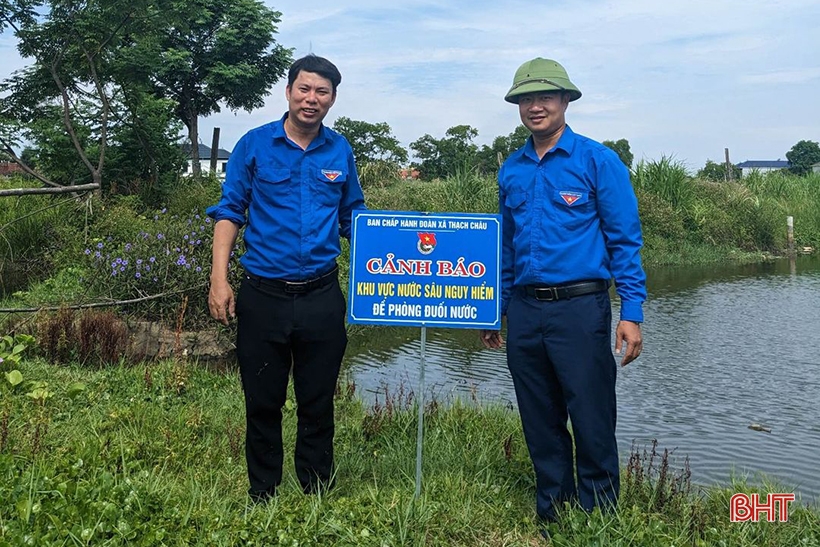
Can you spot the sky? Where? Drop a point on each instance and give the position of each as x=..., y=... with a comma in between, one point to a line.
x=678, y=78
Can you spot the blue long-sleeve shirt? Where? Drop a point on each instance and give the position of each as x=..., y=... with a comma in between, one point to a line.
x=570, y=216
x=296, y=203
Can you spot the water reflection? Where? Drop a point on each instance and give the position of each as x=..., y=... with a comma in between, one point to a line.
x=725, y=347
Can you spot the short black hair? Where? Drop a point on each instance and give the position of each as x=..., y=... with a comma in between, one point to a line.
x=317, y=65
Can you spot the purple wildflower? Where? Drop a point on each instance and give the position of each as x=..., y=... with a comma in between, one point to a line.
x=87, y=251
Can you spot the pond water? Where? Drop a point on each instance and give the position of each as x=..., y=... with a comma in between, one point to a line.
x=725, y=347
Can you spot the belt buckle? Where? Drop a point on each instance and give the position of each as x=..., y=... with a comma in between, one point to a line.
x=296, y=287
x=549, y=294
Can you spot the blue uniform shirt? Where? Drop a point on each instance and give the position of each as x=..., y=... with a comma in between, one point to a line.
x=570, y=216
x=298, y=202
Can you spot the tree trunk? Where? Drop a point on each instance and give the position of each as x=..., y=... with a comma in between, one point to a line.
x=61, y=190
x=193, y=136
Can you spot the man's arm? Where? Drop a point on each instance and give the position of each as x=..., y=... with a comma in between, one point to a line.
x=229, y=214
x=221, y=300
x=492, y=338
x=618, y=212
x=352, y=197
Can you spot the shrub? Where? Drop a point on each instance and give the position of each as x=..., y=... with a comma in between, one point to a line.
x=667, y=178
x=167, y=255
x=30, y=234
x=103, y=337
x=58, y=335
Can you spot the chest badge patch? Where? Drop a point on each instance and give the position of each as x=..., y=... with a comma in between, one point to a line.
x=331, y=174
x=570, y=197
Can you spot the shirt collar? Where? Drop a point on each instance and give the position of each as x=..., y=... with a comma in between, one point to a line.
x=566, y=143
x=567, y=140
x=279, y=133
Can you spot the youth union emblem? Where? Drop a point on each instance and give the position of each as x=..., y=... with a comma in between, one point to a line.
x=427, y=242
x=331, y=174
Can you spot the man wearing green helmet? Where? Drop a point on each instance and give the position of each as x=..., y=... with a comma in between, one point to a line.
x=570, y=225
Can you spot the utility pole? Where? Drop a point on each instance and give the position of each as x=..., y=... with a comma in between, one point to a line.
x=214, y=150
x=730, y=172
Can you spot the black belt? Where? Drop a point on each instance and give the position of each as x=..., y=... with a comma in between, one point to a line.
x=560, y=292
x=293, y=287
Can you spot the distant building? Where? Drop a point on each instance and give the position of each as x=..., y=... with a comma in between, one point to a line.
x=205, y=160
x=10, y=168
x=409, y=174
x=816, y=167
x=762, y=166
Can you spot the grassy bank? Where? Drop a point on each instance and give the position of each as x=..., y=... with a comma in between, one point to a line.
x=152, y=454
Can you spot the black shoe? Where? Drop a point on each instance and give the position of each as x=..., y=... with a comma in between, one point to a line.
x=319, y=487
x=544, y=525
x=262, y=496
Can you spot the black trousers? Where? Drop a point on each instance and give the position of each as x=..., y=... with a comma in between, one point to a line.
x=277, y=332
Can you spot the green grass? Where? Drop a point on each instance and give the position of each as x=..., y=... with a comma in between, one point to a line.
x=152, y=455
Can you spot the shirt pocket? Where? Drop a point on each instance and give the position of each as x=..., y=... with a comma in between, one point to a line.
x=516, y=202
x=329, y=184
x=572, y=208
x=272, y=175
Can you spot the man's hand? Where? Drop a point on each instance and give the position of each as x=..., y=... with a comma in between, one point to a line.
x=221, y=301
x=628, y=333
x=491, y=338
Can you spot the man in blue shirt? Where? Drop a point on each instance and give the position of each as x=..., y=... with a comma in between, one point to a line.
x=570, y=225
x=293, y=184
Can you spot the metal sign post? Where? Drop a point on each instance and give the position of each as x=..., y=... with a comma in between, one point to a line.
x=425, y=270
x=420, y=402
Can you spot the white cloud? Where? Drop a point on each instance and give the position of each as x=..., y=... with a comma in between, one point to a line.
x=783, y=76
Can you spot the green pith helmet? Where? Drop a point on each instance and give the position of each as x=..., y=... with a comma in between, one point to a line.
x=541, y=75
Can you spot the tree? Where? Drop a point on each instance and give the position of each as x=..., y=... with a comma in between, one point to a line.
x=802, y=156
x=71, y=44
x=717, y=172
x=145, y=157
x=202, y=54
x=29, y=157
x=621, y=147
x=440, y=158
x=371, y=142
x=490, y=158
